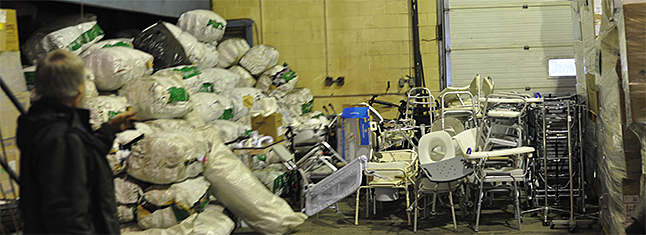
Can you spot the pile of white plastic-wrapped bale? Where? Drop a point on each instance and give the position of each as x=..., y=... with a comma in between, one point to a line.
x=173, y=173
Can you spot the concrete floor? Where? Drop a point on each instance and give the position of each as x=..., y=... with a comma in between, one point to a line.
x=391, y=218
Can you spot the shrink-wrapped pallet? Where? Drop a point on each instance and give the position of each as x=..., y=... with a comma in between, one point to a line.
x=231, y=50
x=246, y=80
x=113, y=67
x=277, y=81
x=104, y=108
x=161, y=95
x=167, y=157
x=259, y=58
x=205, y=25
x=72, y=32
x=164, y=206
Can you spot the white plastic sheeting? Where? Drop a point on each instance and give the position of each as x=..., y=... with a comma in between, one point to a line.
x=90, y=87
x=235, y=186
x=301, y=99
x=231, y=50
x=191, y=77
x=126, y=191
x=184, y=227
x=277, y=81
x=211, y=56
x=219, y=79
x=212, y=106
x=229, y=130
x=161, y=95
x=126, y=213
x=259, y=58
x=167, y=157
x=74, y=38
x=124, y=42
x=205, y=25
x=246, y=79
x=212, y=221
x=104, y=108
x=115, y=66
x=244, y=99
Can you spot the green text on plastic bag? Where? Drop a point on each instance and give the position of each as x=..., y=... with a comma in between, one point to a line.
x=288, y=75
x=227, y=115
x=189, y=72
x=307, y=107
x=112, y=114
x=86, y=37
x=215, y=24
x=177, y=94
x=206, y=87
x=118, y=44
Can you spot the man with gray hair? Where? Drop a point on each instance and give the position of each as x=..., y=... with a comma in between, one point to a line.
x=66, y=182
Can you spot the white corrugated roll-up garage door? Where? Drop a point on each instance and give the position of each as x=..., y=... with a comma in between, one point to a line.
x=509, y=41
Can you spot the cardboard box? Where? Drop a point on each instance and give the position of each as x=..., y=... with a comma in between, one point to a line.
x=271, y=125
x=8, y=30
x=9, y=113
x=354, y=135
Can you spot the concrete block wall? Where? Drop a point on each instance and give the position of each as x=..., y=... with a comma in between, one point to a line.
x=368, y=42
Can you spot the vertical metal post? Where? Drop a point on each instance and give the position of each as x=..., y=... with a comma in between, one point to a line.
x=547, y=210
x=417, y=56
x=569, y=145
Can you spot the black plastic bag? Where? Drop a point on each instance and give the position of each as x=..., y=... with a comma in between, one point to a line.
x=158, y=41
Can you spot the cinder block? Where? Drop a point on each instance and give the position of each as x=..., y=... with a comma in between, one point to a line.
x=309, y=51
x=398, y=34
x=399, y=61
x=278, y=25
x=398, y=7
x=311, y=64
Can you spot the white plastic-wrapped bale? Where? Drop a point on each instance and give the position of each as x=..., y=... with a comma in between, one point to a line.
x=244, y=99
x=104, y=108
x=235, y=186
x=90, y=87
x=161, y=95
x=194, y=49
x=301, y=99
x=174, y=125
x=212, y=106
x=259, y=58
x=180, y=201
x=115, y=66
x=126, y=213
x=117, y=42
x=117, y=161
x=205, y=25
x=211, y=56
x=212, y=221
x=231, y=50
x=219, y=80
x=277, y=81
x=246, y=79
x=126, y=191
x=167, y=157
x=230, y=130
x=191, y=77
x=72, y=32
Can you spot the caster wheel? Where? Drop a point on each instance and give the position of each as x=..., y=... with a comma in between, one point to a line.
x=574, y=229
x=521, y=221
x=551, y=226
x=546, y=223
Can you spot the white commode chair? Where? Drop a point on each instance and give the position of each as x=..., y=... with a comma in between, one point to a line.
x=442, y=169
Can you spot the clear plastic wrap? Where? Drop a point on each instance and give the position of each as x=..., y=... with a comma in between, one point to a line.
x=104, y=108
x=205, y=25
x=117, y=42
x=277, y=81
x=71, y=32
x=180, y=200
x=635, y=60
x=211, y=56
x=259, y=59
x=235, y=186
x=220, y=79
x=231, y=50
x=212, y=221
x=161, y=95
x=113, y=67
x=126, y=191
x=246, y=80
x=302, y=99
x=212, y=106
x=167, y=157
x=162, y=45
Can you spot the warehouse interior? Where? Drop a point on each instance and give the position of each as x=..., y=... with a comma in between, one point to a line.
x=350, y=116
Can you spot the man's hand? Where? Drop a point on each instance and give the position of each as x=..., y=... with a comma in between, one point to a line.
x=124, y=121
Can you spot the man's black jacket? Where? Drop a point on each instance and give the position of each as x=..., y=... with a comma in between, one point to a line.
x=66, y=181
